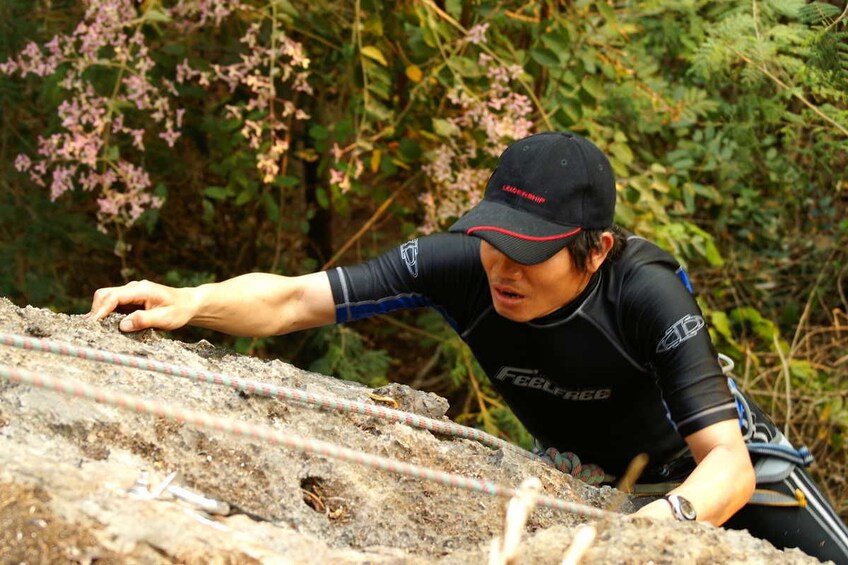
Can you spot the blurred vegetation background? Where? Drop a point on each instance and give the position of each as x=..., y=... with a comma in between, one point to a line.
x=187, y=142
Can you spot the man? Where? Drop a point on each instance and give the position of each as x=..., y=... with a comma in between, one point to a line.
x=590, y=335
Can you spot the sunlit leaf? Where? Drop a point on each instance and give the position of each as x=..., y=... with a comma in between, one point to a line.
x=413, y=73
x=374, y=53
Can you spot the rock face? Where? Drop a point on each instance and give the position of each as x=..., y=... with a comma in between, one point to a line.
x=73, y=472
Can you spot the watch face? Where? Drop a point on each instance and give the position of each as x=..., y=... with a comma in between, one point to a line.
x=686, y=508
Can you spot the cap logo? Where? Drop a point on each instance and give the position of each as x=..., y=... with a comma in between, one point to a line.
x=524, y=194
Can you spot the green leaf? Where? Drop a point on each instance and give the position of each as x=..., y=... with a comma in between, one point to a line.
x=410, y=150
x=761, y=326
x=622, y=152
x=721, y=323
x=818, y=13
x=322, y=198
x=594, y=86
x=454, y=8
x=558, y=42
x=244, y=197
x=545, y=57
x=445, y=128
x=374, y=53
x=571, y=107
x=465, y=66
x=388, y=166
x=271, y=207
x=177, y=49
x=286, y=7
x=287, y=182
x=208, y=211
x=155, y=15
x=688, y=198
x=216, y=192
x=607, y=12
x=803, y=371
x=318, y=132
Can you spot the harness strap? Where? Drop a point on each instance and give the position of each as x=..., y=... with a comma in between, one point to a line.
x=653, y=489
x=769, y=497
x=761, y=496
x=799, y=456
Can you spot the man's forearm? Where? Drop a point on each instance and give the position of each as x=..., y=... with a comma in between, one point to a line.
x=723, y=481
x=262, y=304
x=720, y=485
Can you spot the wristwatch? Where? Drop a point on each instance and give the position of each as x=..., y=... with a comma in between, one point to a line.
x=681, y=508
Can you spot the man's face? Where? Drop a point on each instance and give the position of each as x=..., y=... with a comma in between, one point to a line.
x=525, y=292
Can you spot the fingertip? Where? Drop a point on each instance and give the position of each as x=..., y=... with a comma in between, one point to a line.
x=127, y=324
x=95, y=315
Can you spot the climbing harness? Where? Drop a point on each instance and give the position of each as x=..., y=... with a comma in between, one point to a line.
x=774, y=455
x=269, y=435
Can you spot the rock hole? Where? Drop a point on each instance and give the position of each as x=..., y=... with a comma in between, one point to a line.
x=317, y=495
x=313, y=493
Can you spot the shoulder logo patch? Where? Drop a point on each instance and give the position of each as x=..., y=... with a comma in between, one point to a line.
x=683, y=329
x=409, y=253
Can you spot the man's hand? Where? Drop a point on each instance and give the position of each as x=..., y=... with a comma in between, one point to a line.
x=163, y=307
x=659, y=509
x=255, y=304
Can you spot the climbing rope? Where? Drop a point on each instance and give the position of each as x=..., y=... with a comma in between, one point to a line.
x=569, y=463
x=266, y=434
x=260, y=388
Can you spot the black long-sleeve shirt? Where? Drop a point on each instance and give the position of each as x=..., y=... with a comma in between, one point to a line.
x=626, y=368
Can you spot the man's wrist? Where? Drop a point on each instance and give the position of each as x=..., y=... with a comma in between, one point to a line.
x=681, y=508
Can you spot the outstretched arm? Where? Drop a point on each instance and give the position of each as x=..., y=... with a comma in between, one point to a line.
x=723, y=481
x=256, y=304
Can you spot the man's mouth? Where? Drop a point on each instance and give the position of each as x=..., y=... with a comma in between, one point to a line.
x=507, y=294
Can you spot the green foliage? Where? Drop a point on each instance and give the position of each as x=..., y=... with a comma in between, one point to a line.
x=348, y=355
x=726, y=124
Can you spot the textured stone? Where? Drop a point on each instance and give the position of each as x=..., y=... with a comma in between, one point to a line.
x=68, y=467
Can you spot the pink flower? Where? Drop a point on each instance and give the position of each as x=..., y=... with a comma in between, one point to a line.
x=170, y=136
x=62, y=181
x=23, y=163
x=477, y=34
x=336, y=176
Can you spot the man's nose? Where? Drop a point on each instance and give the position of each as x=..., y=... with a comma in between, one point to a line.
x=505, y=266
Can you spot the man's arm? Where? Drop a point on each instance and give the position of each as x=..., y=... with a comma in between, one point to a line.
x=256, y=304
x=723, y=481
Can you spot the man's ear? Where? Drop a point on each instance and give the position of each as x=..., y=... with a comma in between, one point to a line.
x=596, y=259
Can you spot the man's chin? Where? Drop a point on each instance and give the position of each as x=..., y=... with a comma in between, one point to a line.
x=512, y=314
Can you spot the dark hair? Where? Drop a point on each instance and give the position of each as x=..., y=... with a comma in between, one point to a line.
x=584, y=243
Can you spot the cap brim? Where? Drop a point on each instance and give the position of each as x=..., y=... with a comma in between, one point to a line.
x=523, y=237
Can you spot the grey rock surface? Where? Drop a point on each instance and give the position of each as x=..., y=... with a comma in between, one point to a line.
x=70, y=471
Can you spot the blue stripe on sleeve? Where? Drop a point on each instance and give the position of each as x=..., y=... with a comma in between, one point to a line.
x=358, y=311
x=685, y=278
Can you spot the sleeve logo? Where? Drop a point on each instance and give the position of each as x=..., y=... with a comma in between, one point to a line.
x=683, y=329
x=409, y=253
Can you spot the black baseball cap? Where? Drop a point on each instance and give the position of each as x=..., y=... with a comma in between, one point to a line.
x=545, y=189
